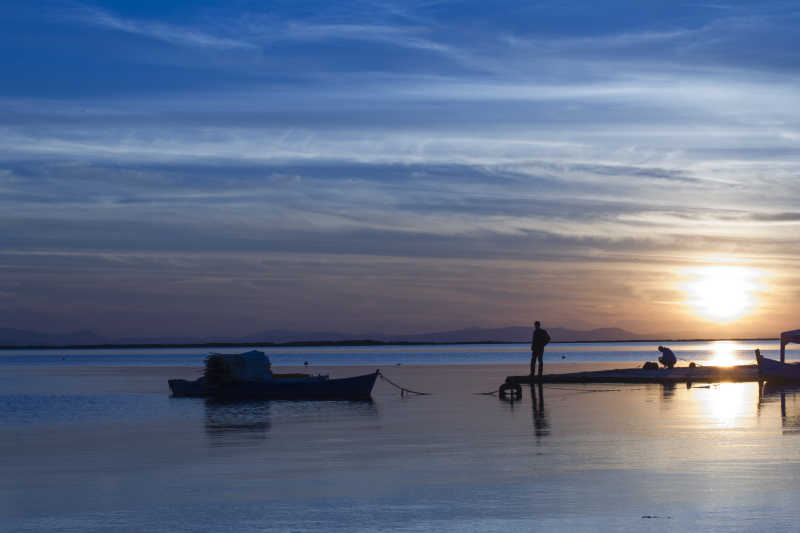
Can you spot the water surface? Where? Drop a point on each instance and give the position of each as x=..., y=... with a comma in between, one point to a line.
x=93, y=446
x=627, y=352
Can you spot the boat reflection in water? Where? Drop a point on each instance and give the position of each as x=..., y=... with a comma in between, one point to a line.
x=789, y=398
x=248, y=423
x=236, y=423
x=541, y=425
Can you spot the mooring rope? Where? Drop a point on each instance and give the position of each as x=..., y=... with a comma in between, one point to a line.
x=402, y=389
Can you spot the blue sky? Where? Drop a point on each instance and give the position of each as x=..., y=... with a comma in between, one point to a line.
x=223, y=168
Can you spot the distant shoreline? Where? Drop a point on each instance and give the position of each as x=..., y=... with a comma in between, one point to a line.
x=353, y=343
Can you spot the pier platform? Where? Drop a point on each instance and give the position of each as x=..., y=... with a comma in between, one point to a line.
x=683, y=374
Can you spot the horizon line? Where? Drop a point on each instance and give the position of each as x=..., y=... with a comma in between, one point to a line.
x=349, y=342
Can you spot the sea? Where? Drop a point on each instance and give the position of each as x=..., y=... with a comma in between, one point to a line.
x=90, y=440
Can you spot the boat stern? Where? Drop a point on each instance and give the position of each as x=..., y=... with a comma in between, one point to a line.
x=182, y=388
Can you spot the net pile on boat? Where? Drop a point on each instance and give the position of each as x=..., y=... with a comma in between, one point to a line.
x=223, y=369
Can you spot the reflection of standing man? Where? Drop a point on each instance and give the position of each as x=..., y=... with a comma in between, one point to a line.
x=541, y=426
x=538, y=342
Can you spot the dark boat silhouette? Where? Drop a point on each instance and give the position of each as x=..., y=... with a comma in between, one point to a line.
x=249, y=376
x=779, y=371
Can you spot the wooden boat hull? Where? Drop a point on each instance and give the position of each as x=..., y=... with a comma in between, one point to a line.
x=774, y=371
x=354, y=388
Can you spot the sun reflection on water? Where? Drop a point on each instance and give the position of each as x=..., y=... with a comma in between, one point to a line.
x=723, y=353
x=729, y=402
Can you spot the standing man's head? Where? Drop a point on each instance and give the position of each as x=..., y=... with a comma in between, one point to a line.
x=660, y=348
x=536, y=324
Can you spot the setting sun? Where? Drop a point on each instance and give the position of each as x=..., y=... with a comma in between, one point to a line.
x=722, y=293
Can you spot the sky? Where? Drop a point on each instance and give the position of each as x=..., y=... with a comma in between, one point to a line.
x=222, y=168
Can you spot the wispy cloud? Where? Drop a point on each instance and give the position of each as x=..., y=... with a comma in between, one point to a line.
x=258, y=33
x=160, y=31
x=607, y=41
x=792, y=217
x=406, y=37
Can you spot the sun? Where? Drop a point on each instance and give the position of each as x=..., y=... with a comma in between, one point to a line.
x=722, y=293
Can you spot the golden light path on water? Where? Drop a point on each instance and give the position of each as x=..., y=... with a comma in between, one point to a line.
x=727, y=403
x=724, y=354
x=722, y=293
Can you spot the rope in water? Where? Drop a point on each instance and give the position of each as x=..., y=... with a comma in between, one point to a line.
x=402, y=389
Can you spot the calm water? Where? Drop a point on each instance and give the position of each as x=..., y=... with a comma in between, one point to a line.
x=94, y=443
x=626, y=352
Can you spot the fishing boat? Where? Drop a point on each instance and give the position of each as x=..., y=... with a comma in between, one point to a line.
x=248, y=376
x=774, y=371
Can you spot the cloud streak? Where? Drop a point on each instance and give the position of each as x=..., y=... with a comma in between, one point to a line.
x=159, y=31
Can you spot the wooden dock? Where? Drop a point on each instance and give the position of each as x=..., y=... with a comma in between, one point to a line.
x=684, y=374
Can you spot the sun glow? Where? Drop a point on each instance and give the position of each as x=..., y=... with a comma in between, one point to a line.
x=724, y=354
x=722, y=293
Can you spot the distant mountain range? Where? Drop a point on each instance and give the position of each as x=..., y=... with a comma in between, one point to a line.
x=21, y=337
x=18, y=337
x=520, y=334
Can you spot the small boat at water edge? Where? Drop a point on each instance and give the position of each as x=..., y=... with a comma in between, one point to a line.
x=354, y=388
x=249, y=376
x=774, y=371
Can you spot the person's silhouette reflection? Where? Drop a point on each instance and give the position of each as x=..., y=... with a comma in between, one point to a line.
x=667, y=391
x=541, y=426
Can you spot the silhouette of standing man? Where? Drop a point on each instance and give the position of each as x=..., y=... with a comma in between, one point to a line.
x=538, y=342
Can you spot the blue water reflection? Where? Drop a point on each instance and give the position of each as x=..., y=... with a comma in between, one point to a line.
x=740, y=352
x=98, y=447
